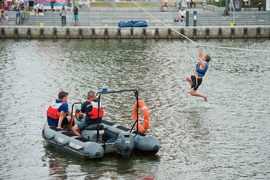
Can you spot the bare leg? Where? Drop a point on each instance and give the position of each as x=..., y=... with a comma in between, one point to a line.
x=69, y=120
x=189, y=80
x=194, y=93
x=75, y=130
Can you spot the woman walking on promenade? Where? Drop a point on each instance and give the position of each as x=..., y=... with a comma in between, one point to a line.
x=63, y=15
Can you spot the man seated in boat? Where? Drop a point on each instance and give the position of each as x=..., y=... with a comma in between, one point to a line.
x=90, y=108
x=58, y=113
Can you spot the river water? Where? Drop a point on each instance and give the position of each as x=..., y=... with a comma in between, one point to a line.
x=226, y=138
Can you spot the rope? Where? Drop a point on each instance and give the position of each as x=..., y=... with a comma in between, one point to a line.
x=240, y=49
x=164, y=23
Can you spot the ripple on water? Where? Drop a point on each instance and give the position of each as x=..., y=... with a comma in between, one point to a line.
x=226, y=138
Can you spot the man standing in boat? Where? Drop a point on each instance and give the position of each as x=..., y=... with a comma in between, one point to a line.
x=90, y=108
x=58, y=113
x=196, y=80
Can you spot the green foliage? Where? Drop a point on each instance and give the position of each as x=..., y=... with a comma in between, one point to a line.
x=254, y=2
x=131, y=4
x=217, y=3
x=100, y=4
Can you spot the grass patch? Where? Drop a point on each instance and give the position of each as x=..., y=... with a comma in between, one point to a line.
x=131, y=4
x=100, y=4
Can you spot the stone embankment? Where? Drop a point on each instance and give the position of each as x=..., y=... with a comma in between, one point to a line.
x=73, y=32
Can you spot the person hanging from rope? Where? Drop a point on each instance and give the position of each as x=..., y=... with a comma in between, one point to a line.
x=196, y=80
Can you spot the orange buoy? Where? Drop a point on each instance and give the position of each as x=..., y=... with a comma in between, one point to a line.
x=142, y=129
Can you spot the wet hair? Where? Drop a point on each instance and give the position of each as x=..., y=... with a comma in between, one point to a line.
x=207, y=58
x=62, y=94
x=91, y=95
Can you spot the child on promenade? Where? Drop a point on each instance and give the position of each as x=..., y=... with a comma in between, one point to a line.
x=6, y=19
x=18, y=14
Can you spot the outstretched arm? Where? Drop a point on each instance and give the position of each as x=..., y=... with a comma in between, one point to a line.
x=202, y=65
x=200, y=52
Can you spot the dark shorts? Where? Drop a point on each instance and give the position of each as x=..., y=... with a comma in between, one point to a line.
x=195, y=82
x=65, y=121
x=83, y=124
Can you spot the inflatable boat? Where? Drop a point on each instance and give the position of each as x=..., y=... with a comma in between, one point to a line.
x=105, y=137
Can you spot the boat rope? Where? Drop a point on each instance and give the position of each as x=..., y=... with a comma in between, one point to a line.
x=111, y=140
x=219, y=47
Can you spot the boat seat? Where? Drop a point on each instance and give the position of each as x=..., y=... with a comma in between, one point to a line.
x=54, y=128
x=90, y=132
x=94, y=127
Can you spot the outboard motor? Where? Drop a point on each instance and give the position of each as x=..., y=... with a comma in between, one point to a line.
x=125, y=144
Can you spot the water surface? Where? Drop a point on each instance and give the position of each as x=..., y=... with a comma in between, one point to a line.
x=226, y=138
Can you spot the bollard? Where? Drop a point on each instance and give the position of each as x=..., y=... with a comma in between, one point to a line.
x=258, y=32
x=106, y=33
x=156, y=33
x=245, y=32
x=93, y=33
x=182, y=31
x=16, y=32
x=232, y=32
x=207, y=32
x=29, y=33
x=169, y=33
x=80, y=33
x=119, y=33
x=67, y=33
x=3, y=32
x=219, y=32
x=195, y=18
x=54, y=32
x=144, y=33
x=194, y=32
x=187, y=18
x=41, y=33
x=131, y=33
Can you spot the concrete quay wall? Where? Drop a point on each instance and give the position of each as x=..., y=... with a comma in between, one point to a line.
x=87, y=32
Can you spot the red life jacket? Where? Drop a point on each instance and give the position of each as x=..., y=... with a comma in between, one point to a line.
x=53, y=109
x=94, y=113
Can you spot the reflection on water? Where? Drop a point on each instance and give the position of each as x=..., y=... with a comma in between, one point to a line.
x=226, y=138
x=109, y=167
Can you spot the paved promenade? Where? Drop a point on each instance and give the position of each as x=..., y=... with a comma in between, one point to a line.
x=112, y=16
x=103, y=23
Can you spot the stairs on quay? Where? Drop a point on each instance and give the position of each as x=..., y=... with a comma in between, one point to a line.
x=112, y=18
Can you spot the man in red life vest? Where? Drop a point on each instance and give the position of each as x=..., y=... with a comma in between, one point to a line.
x=90, y=108
x=196, y=80
x=58, y=113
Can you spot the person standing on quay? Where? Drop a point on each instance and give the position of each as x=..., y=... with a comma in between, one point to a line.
x=63, y=15
x=76, y=15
